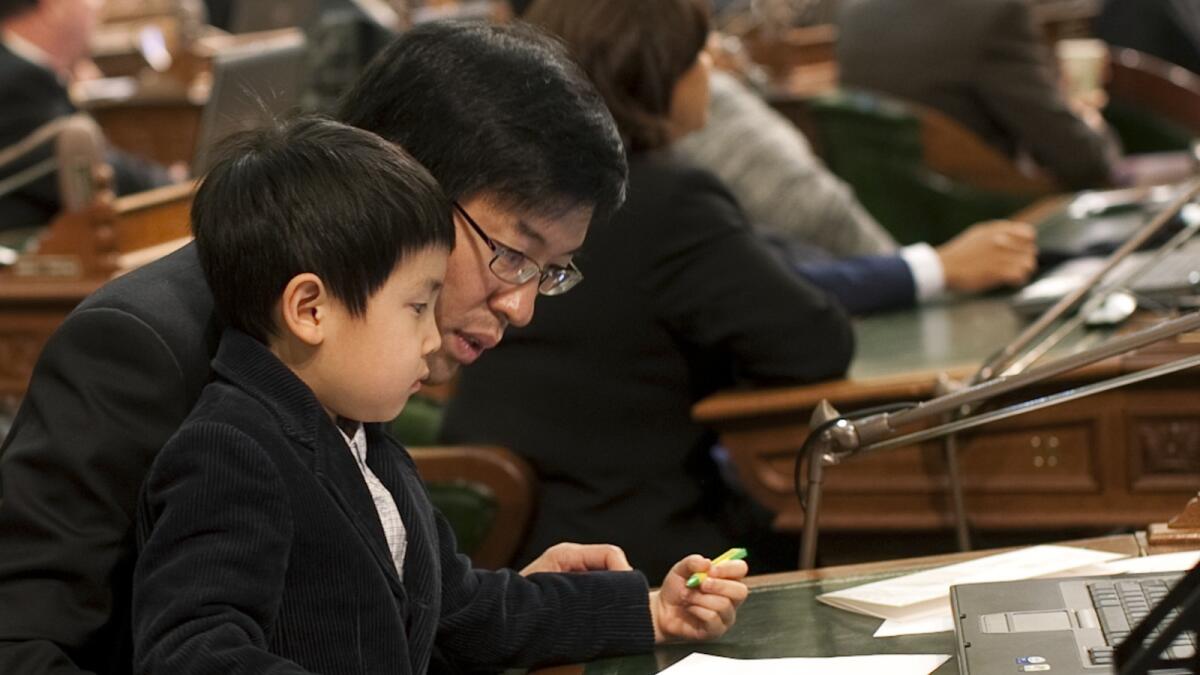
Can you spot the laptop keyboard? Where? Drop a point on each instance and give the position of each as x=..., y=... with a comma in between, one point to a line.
x=1180, y=267
x=1121, y=605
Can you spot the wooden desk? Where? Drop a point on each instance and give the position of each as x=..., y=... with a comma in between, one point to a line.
x=1125, y=457
x=782, y=618
x=31, y=308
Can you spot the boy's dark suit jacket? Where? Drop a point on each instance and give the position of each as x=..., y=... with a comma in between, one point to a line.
x=978, y=61
x=265, y=553
x=31, y=96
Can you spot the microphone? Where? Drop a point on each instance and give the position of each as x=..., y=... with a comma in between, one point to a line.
x=835, y=438
x=80, y=149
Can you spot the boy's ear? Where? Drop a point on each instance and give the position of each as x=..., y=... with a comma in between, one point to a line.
x=305, y=306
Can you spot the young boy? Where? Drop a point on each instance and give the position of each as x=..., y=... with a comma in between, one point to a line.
x=282, y=530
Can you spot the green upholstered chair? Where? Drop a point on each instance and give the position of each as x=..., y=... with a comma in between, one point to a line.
x=923, y=176
x=485, y=492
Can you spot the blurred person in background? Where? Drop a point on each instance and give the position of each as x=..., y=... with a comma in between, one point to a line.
x=42, y=43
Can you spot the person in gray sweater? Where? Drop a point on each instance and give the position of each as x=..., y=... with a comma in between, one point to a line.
x=789, y=195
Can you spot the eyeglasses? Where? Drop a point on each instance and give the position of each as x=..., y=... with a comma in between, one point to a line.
x=514, y=267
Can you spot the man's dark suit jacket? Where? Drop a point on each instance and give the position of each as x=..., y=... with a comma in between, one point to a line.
x=1168, y=29
x=264, y=553
x=110, y=387
x=981, y=63
x=680, y=299
x=31, y=96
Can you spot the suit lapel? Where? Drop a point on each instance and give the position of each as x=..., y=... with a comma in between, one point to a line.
x=340, y=476
x=422, y=569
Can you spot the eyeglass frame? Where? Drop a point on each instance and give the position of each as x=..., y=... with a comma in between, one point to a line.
x=542, y=274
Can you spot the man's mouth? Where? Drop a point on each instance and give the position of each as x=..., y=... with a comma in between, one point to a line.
x=469, y=346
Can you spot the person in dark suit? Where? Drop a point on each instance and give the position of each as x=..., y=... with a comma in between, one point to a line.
x=281, y=529
x=682, y=299
x=981, y=63
x=125, y=367
x=42, y=42
x=1168, y=29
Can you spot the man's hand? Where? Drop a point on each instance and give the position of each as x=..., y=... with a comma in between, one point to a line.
x=579, y=558
x=703, y=613
x=989, y=254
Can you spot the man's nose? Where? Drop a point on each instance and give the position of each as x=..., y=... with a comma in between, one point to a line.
x=515, y=303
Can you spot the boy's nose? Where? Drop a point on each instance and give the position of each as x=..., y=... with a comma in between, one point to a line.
x=431, y=340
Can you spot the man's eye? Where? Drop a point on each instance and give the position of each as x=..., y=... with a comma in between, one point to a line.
x=511, y=257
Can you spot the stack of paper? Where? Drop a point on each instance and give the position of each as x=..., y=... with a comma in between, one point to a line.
x=920, y=602
x=892, y=664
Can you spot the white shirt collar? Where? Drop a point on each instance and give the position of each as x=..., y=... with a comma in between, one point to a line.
x=357, y=442
x=27, y=50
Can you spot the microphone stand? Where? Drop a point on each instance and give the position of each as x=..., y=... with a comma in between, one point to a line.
x=836, y=438
x=1003, y=358
x=1010, y=360
x=1178, y=612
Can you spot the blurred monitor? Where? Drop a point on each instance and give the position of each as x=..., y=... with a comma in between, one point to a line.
x=249, y=16
x=252, y=83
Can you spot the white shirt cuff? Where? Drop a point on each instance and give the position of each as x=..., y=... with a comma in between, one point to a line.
x=926, y=268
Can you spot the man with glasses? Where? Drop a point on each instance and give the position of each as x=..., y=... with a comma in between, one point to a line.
x=515, y=135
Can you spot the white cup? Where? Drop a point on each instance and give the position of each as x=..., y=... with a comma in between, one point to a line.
x=1083, y=62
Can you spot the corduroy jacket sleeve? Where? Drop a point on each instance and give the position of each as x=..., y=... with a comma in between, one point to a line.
x=209, y=578
x=501, y=619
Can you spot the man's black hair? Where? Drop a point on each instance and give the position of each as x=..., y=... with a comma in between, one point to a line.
x=495, y=109
x=10, y=8
x=311, y=195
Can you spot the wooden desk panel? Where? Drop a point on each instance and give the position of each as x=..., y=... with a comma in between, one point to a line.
x=1126, y=457
x=164, y=131
x=31, y=308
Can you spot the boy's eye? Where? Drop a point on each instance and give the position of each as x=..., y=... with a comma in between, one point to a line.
x=419, y=307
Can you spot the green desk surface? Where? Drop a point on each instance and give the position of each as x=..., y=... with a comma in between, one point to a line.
x=783, y=618
x=939, y=336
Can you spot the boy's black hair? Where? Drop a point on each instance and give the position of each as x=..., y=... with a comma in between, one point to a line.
x=310, y=195
x=9, y=8
x=497, y=109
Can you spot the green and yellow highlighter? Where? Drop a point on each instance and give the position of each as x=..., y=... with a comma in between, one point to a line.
x=698, y=578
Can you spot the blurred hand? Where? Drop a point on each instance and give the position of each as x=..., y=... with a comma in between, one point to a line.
x=579, y=558
x=989, y=254
x=703, y=613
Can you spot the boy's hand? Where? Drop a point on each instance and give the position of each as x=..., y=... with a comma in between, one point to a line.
x=704, y=613
x=567, y=557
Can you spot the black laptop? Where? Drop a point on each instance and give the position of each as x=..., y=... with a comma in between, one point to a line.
x=1068, y=626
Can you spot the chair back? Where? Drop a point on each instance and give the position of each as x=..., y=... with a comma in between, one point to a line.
x=920, y=174
x=485, y=492
x=1154, y=106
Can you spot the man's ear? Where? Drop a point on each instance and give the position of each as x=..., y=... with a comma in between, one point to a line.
x=305, y=308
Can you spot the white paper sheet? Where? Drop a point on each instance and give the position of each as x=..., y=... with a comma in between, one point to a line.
x=926, y=593
x=892, y=664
